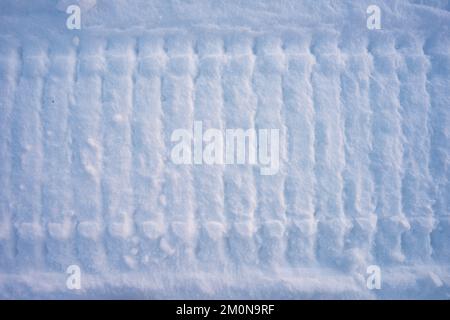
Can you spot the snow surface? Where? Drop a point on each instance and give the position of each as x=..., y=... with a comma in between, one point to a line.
x=85, y=172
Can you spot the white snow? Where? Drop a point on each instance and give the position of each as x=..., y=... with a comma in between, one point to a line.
x=86, y=177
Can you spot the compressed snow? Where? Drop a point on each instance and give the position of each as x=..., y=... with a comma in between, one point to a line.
x=87, y=180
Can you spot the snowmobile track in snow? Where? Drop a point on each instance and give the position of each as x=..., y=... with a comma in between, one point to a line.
x=86, y=176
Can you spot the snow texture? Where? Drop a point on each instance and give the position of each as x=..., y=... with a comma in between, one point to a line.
x=86, y=179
